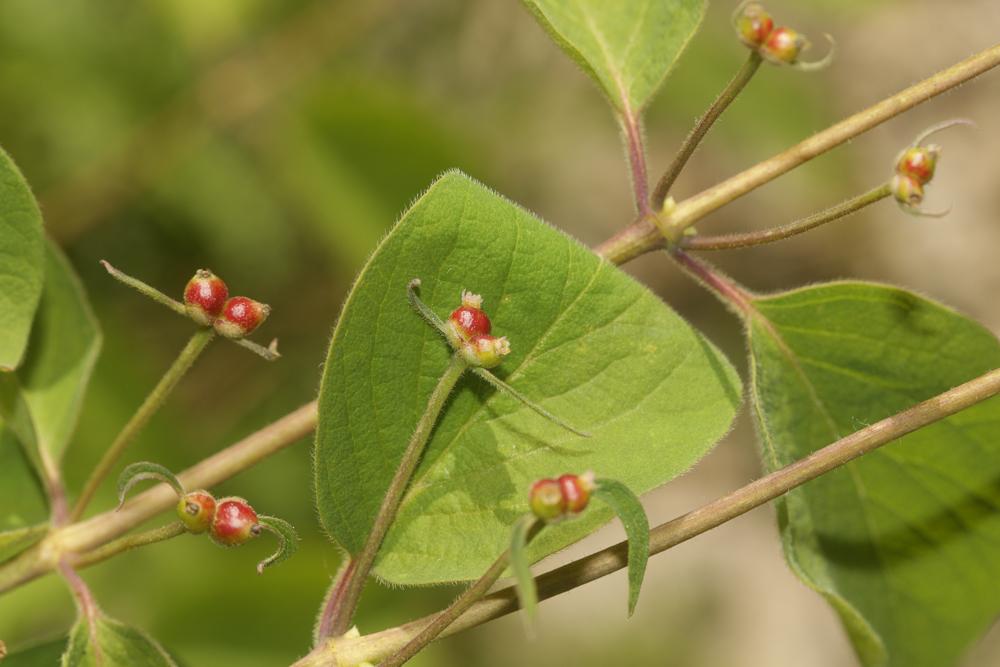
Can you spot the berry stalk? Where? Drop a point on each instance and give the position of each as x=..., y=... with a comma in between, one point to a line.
x=468, y=597
x=760, y=237
x=142, y=415
x=704, y=124
x=128, y=543
x=343, y=608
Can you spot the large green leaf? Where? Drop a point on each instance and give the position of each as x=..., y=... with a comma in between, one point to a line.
x=108, y=643
x=21, y=262
x=590, y=344
x=905, y=542
x=627, y=46
x=62, y=351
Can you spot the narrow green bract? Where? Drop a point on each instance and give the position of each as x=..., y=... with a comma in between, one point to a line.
x=589, y=344
x=112, y=644
x=904, y=542
x=633, y=517
x=627, y=46
x=520, y=567
x=22, y=262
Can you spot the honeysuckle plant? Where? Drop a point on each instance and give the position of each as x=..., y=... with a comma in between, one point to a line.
x=441, y=448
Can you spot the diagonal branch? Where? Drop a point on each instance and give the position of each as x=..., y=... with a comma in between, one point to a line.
x=644, y=235
x=350, y=651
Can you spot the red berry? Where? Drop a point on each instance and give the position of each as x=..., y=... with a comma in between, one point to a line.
x=235, y=522
x=783, y=46
x=753, y=24
x=546, y=499
x=196, y=510
x=240, y=316
x=575, y=491
x=472, y=321
x=918, y=163
x=204, y=297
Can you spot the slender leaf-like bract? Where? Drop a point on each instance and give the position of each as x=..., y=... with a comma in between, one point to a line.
x=288, y=540
x=520, y=567
x=633, y=517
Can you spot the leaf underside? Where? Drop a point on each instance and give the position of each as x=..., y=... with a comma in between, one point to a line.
x=628, y=46
x=905, y=542
x=590, y=345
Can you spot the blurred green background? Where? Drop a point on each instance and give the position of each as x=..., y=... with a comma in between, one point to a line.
x=275, y=142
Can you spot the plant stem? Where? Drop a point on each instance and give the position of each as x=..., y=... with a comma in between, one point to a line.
x=636, y=160
x=146, y=290
x=728, y=291
x=86, y=605
x=85, y=536
x=471, y=595
x=127, y=543
x=324, y=626
x=342, y=610
x=644, y=235
x=153, y=402
x=701, y=128
x=760, y=237
x=682, y=528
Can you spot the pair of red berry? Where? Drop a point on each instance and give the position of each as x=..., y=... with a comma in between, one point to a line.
x=468, y=331
x=207, y=301
x=755, y=28
x=229, y=521
x=552, y=499
x=914, y=169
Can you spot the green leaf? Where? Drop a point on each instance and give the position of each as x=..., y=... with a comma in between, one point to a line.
x=627, y=46
x=22, y=262
x=589, y=344
x=23, y=504
x=40, y=655
x=520, y=567
x=108, y=643
x=633, y=517
x=905, y=542
x=61, y=355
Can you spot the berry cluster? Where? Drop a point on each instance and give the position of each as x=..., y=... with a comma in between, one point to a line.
x=206, y=299
x=468, y=330
x=914, y=169
x=229, y=521
x=781, y=45
x=553, y=499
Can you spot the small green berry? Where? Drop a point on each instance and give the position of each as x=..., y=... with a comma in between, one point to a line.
x=546, y=499
x=907, y=191
x=485, y=351
x=753, y=24
x=196, y=511
x=783, y=46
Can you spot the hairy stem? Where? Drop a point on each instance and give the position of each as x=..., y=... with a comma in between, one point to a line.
x=146, y=290
x=729, y=291
x=342, y=611
x=86, y=536
x=636, y=160
x=644, y=235
x=468, y=597
x=128, y=543
x=683, y=528
x=746, y=239
x=324, y=626
x=86, y=605
x=153, y=402
x=704, y=124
